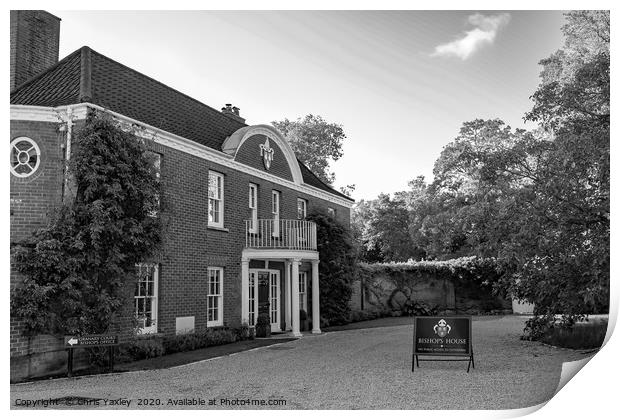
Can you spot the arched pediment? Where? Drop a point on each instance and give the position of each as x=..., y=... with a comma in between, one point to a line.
x=273, y=145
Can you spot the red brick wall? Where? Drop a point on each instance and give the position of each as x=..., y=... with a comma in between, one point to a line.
x=249, y=154
x=34, y=44
x=189, y=247
x=32, y=200
x=34, y=197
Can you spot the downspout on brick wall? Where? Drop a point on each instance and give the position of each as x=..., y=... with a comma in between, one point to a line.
x=68, y=127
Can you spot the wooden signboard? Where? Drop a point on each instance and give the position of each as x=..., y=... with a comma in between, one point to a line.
x=442, y=336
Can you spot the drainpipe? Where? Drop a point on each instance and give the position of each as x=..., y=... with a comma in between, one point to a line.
x=69, y=121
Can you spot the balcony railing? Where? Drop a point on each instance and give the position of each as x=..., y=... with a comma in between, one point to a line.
x=282, y=234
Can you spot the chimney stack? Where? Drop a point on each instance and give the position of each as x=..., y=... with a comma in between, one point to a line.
x=233, y=112
x=35, y=35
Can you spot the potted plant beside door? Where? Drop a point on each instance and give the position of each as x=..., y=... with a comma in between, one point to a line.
x=263, y=322
x=303, y=320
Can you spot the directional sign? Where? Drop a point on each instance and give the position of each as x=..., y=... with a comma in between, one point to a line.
x=75, y=341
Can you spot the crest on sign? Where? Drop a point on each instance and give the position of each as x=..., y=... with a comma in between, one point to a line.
x=442, y=328
x=267, y=153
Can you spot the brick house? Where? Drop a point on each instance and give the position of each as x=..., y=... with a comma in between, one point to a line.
x=235, y=194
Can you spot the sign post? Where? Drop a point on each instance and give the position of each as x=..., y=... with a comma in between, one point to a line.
x=102, y=340
x=447, y=336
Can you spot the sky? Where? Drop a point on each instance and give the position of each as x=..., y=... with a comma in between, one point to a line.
x=401, y=83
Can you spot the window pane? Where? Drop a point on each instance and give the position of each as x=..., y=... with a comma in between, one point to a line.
x=212, y=186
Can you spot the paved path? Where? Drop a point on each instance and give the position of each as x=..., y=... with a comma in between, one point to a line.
x=356, y=369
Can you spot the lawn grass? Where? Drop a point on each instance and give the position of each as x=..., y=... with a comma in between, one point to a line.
x=583, y=335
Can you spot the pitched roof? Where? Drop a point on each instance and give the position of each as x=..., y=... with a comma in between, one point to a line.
x=87, y=76
x=311, y=179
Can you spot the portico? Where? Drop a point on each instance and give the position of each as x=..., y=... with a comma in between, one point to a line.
x=260, y=282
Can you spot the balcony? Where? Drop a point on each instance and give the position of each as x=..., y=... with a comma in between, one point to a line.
x=281, y=234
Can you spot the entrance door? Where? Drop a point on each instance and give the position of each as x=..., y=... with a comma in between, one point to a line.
x=264, y=288
x=274, y=300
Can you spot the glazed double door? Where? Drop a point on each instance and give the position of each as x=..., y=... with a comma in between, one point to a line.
x=264, y=288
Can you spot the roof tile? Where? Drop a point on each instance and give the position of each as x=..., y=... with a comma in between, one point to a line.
x=121, y=89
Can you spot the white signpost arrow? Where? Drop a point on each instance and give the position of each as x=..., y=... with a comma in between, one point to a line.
x=72, y=341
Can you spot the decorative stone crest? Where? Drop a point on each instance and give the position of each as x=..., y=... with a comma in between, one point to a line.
x=267, y=153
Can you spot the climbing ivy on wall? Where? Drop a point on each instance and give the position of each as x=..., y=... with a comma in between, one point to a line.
x=79, y=270
x=472, y=278
x=336, y=270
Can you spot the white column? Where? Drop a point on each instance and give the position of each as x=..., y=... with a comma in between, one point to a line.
x=245, y=283
x=287, y=294
x=316, y=312
x=295, y=292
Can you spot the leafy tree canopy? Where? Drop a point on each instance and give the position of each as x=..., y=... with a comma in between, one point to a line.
x=315, y=142
x=537, y=202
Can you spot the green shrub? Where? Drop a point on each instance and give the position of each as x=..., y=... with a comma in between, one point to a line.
x=192, y=341
x=263, y=325
x=219, y=336
x=245, y=332
x=147, y=347
x=368, y=314
x=181, y=342
x=585, y=335
x=140, y=348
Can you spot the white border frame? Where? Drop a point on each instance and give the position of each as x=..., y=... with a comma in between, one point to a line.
x=154, y=302
x=220, y=309
x=219, y=224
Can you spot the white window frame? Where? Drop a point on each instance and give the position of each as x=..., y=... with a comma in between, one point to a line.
x=253, y=297
x=304, y=206
x=151, y=329
x=217, y=201
x=33, y=146
x=303, y=291
x=275, y=211
x=218, y=296
x=253, y=206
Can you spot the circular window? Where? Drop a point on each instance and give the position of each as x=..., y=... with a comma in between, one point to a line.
x=25, y=157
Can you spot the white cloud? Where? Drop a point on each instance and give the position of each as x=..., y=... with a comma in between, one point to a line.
x=484, y=32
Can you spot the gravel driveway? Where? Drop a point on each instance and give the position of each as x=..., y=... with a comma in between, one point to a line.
x=355, y=369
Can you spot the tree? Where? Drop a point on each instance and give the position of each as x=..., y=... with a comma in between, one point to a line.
x=315, y=142
x=336, y=270
x=79, y=270
x=348, y=189
x=539, y=201
x=470, y=201
x=383, y=227
x=572, y=102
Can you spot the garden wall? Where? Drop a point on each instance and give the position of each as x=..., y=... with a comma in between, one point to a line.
x=459, y=286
